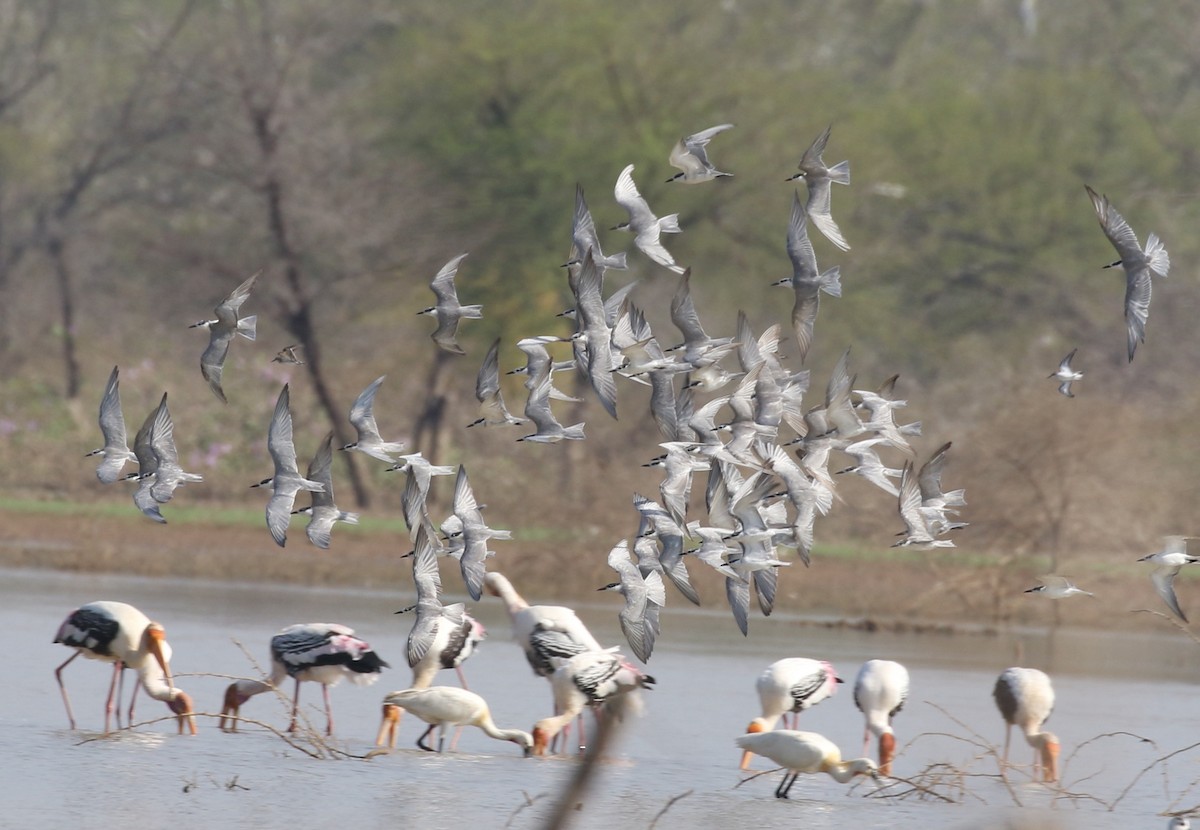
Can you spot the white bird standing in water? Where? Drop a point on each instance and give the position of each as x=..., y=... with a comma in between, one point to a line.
x=442, y=706
x=1065, y=375
x=1025, y=699
x=120, y=634
x=116, y=451
x=690, y=156
x=1167, y=563
x=879, y=693
x=805, y=752
x=791, y=685
x=590, y=679
x=221, y=332
x=321, y=652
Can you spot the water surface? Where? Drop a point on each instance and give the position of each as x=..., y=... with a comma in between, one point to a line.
x=1105, y=682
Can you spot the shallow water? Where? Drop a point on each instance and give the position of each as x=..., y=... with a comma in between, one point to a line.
x=1105, y=682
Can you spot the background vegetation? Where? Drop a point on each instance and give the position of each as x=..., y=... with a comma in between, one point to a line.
x=153, y=154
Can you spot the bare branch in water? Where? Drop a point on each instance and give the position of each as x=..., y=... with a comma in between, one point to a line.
x=670, y=802
x=529, y=802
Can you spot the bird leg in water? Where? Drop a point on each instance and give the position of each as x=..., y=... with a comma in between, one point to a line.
x=421, y=740
x=63, y=688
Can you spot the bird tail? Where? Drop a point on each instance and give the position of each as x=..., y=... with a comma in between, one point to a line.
x=348, y=518
x=840, y=173
x=616, y=261
x=574, y=432
x=955, y=498
x=247, y=327
x=831, y=283
x=472, y=312
x=669, y=224
x=1156, y=256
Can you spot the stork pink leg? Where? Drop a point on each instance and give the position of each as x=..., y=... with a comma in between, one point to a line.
x=328, y=710
x=295, y=707
x=62, y=687
x=108, y=704
x=462, y=679
x=132, y=699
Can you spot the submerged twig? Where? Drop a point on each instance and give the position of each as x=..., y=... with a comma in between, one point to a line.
x=529, y=802
x=670, y=802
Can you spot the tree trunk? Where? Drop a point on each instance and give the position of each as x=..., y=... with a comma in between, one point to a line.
x=66, y=307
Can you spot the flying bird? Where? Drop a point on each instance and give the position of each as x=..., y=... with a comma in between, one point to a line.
x=448, y=310
x=690, y=156
x=584, y=237
x=1026, y=699
x=288, y=355
x=645, y=226
x=362, y=417
x=122, y=635
x=287, y=481
x=807, y=282
x=818, y=177
x=1057, y=587
x=323, y=513
x=1065, y=375
x=1138, y=265
x=221, y=332
x=1167, y=563
x=168, y=475
x=644, y=598
x=116, y=451
x=492, y=410
x=320, y=652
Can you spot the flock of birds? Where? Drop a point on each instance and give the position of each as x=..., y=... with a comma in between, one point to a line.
x=765, y=486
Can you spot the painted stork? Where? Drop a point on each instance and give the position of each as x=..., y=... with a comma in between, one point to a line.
x=590, y=679
x=124, y=636
x=879, y=692
x=790, y=685
x=1026, y=698
x=321, y=652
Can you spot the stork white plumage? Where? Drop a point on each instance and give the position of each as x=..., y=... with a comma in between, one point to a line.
x=442, y=706
x=806, y=752
x=1026, y=699
x=542, y=631
x=121, y=634
x=879, y=692
x=591, y=678
x=321, y=652
x=790, y=685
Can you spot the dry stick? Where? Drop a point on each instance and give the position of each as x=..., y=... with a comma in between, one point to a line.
x=579, y=782
x=1146, y=769
x=756, y=775
x=991, y=750
x=1180, y=625
x=881, y=791
x=529, y=802
x=667, y=806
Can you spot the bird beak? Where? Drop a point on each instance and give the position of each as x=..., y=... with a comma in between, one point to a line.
x=229, y=710
x=746, y=756
x=1050, y=761
x=182, y=706
x=887, y=751
x=156, y=636
x=389, y=727
x=405, y=610
x=609, y=586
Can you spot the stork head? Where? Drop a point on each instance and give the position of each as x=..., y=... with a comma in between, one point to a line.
x=181, y=705
x=389, y=726
x=757, y=725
